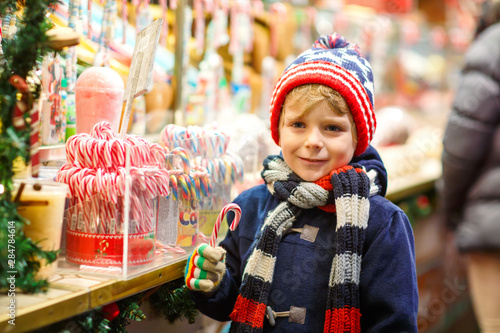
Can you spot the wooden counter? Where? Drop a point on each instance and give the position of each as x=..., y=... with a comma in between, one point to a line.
x=73, y=294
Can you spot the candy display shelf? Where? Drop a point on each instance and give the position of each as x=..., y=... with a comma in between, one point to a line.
x=417, y=182
x=73, y=294
x=54, y=155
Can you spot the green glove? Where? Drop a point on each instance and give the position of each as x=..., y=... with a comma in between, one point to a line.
x=205, y=268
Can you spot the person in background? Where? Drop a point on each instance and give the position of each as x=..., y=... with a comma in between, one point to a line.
x=471, y=168
x=318, y=247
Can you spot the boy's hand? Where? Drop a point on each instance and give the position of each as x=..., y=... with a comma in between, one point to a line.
x=205, y=268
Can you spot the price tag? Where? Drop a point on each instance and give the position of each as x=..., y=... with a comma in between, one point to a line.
x=132, y=227
x=112, y=227
x=92, y=224
x=80, y=221
x=73, y=221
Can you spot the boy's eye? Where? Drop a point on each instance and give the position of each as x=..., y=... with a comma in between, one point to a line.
x=332, y=128
x=298, y=124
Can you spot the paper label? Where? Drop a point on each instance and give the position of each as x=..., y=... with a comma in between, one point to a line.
x=132, y=227
x=73, y=221
x=92, y=224
x=80, y=221
x=112, y=227
x=188, y=225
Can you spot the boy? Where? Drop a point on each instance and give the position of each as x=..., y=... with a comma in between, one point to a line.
x=317, y=248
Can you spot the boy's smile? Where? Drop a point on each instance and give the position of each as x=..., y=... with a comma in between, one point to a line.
x=317, y=142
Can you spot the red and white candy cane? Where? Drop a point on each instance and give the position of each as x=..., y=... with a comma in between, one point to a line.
x=34, y=140
x=237, y=211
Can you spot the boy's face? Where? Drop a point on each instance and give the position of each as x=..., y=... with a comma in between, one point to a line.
x=316, y=143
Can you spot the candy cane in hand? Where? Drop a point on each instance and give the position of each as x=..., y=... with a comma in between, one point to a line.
x=237, y=211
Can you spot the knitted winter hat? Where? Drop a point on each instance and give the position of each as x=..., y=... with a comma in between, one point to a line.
x=334, y=62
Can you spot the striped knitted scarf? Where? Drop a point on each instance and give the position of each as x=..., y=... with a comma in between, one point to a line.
x=348, y=189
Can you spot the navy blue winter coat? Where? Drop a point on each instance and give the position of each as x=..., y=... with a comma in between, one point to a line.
x=388, y=282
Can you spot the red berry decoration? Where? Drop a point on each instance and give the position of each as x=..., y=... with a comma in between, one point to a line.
x=423, y=201
x=111, y=311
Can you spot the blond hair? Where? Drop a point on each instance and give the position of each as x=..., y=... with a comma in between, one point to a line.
x=310, y=96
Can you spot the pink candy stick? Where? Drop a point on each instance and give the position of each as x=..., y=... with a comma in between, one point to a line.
x=175, y=249
x=201, y=236
x=237, y=211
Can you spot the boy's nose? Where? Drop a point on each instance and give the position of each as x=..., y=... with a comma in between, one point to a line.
x=314, y=140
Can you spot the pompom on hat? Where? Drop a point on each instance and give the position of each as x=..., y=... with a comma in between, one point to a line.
x=333, y=62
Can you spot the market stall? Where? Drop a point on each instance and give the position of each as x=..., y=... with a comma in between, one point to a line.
x=149, y=117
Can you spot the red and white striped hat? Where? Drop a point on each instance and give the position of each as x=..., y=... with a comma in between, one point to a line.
x=333, y=62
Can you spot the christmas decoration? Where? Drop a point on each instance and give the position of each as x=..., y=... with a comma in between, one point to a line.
x=129, y=311
x=418, y=206
x=172, y=300
x=111, y=311
x=23, y=45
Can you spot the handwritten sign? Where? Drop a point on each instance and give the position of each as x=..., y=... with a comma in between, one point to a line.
x=140, y=78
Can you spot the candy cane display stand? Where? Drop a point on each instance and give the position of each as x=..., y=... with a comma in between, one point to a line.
x=114, y=184
x=104, y=245
x=204, y=148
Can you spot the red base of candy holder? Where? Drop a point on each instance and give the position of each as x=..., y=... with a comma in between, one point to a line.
x=107, y=250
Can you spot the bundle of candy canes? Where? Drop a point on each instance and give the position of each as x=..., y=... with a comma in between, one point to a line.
x=187, y=182
x=207, y=148
x=96, y=175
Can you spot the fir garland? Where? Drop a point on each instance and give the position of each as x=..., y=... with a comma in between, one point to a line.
x=174, y=302
x=171, y=299
x=21, y=54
